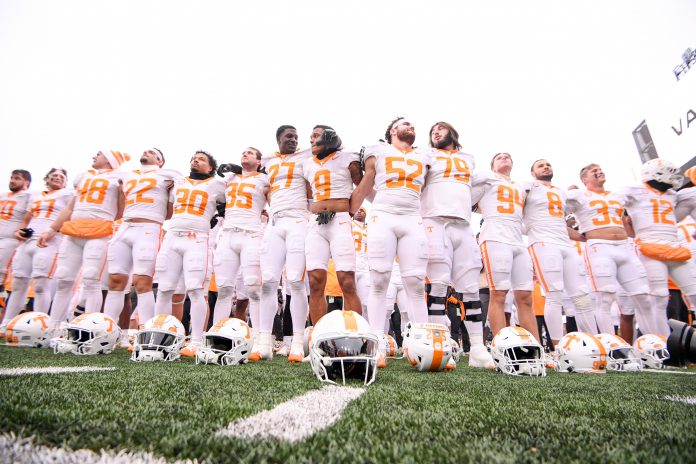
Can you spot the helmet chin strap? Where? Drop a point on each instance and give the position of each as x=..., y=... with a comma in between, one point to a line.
x=661, y=186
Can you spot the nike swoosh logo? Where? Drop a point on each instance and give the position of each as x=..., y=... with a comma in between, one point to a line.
x=344, y=222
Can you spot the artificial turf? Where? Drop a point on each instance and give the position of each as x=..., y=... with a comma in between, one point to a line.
x=469, y=415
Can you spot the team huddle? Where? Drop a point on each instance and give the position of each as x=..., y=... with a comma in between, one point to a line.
x=294, y=215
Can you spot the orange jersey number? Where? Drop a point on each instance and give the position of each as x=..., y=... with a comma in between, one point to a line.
x=660, y=216
x=603, y=210
x=93, y=191
x=360, y=242
x=149, y=184
x=509, y=197
x=555, y=204
x=36, y=208
x=459, y=165
x=275, y=169
x=238, y=197
x=322, y=185
x=402, y=179
x=688, y=236
x=193, y=202
x=7, y=208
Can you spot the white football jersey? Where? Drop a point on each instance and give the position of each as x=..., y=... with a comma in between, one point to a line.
x=447, y=190
x=97, y=194
x=147, y=193
x=330, y=178
x=686, y=203
x=195, y=203
x=685, y=232
x=288, y=188
x=46, y=206
x=595, y=210
x=360, y=239
x=652, y=213
x=246, y=199
x=13, y=208
x=399, y=178
x=544, y=214
x=501, y=203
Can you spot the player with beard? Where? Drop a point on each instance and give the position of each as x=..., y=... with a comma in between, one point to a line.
x=362, y=270
x=454, y=258
x=185, y=247
x=330, y=175
x=32, y=262
x=87, y=222
x=397, y=171
x=505, y=256
x=609, y=256
x=13, y=208
x=133, y=249
x=557, y=265
x=237, y=255
x=284, y=244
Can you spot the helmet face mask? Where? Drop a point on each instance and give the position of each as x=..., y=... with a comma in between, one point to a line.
x=515, y=351
x=620, y=355
x=343, y=347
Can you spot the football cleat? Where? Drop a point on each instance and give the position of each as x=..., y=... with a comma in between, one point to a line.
x=480, y=357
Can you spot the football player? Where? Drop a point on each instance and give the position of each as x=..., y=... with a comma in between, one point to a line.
x=237, y=255
x=32, y=262
x=557, y=265
x=87, y=222
x=651, y=218
x=505, y=256
x=397, y=171
x=454, y=257
x=133, y=249
x=609, y=257
x=185, y=247
x=284, y=244
x=330, y=175
x=13, y=208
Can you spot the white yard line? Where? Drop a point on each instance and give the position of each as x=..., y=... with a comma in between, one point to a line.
x=663, y=371
x=51, y=370
x=297, y=418
x=682, y=399
x=23, y=450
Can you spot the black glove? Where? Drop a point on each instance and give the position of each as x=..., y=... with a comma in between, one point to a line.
x=213, y=222
x=26, y=232
x=229, y=167
x=261, y=169
x=325, y=217
x=221, y=209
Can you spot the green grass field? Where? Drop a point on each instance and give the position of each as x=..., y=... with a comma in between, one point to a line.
x=174, y=410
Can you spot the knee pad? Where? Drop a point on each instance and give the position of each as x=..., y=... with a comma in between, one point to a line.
x=92, y=285
x=380, y=281
x=297, y=286
x=91, y=273
x=555, y=297
x=473, y=311
x=582, y=303
x=254, y=292
x=225, y=292
x=196, y=295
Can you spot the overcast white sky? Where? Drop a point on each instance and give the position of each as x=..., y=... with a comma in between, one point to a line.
x=560, y=80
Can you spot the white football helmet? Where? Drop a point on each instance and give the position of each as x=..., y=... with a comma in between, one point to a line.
x=159, y=339
x=620, y=355
x=343, y=346
x=581, y=352
x=515, y=351
x=227, y=343
x=393, y=350
x=652, y=350
x=427, y=346
x=89, y=334
x=661, y=171
x=28, y=329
